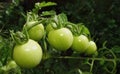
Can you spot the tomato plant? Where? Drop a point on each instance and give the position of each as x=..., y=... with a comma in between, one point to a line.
x=80, y=43
x=60, y=39
x=48, y=31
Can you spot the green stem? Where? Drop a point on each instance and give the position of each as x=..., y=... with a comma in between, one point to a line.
x=31, y=24
x=93, y=59
x=73, y=27
x=114, y=62
x=83, y=58
x=91, y=66
x=20, y=37
x=80, y=28
x=44, y=43
x=113, y=69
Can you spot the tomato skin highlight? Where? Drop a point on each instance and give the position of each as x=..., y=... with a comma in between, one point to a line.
x=91, y=49
x=80, y=43
x=36, y=32
x=60, y=39
x=27, y=55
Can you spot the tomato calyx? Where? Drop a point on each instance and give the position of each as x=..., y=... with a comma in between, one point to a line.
x=58, y=21
x=20, y=37
x=78, y=29
x=31, y=24
x=31, y=20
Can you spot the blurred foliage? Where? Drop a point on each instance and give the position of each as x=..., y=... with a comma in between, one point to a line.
x=12, y=16
x=100, y=16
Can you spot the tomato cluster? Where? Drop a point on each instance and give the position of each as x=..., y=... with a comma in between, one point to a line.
x=56, y=31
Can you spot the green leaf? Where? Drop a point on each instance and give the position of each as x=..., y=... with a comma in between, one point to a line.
x=82, y=29
x=62, y=19
x=48, y=13
x=44, y=4
x=19, y=37
x=39, y=6
x=86, y=31
x=31, y=17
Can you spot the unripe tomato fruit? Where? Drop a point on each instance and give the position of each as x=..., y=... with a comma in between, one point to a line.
x=36, y=32
x=91, y=49
x=80, y=43
x=27, y=55
x=60, y=39
x=49, y=27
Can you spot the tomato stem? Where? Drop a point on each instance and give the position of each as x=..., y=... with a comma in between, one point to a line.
x=20, y=37
x=97, y=59
x=73, y=27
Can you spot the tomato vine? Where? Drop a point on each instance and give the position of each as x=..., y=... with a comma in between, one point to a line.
x=56, y=59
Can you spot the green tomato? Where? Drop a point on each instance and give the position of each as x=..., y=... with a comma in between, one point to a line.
x=27, y=55
x=49, y=27
x=91, y=49
x=36, y=32
x=80, y=43
x=60, y=39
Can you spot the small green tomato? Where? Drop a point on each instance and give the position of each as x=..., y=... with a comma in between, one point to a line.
x=80, y=43
x=60, y=39
x=91, y=49
x=36, y=32
x=49, y=27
